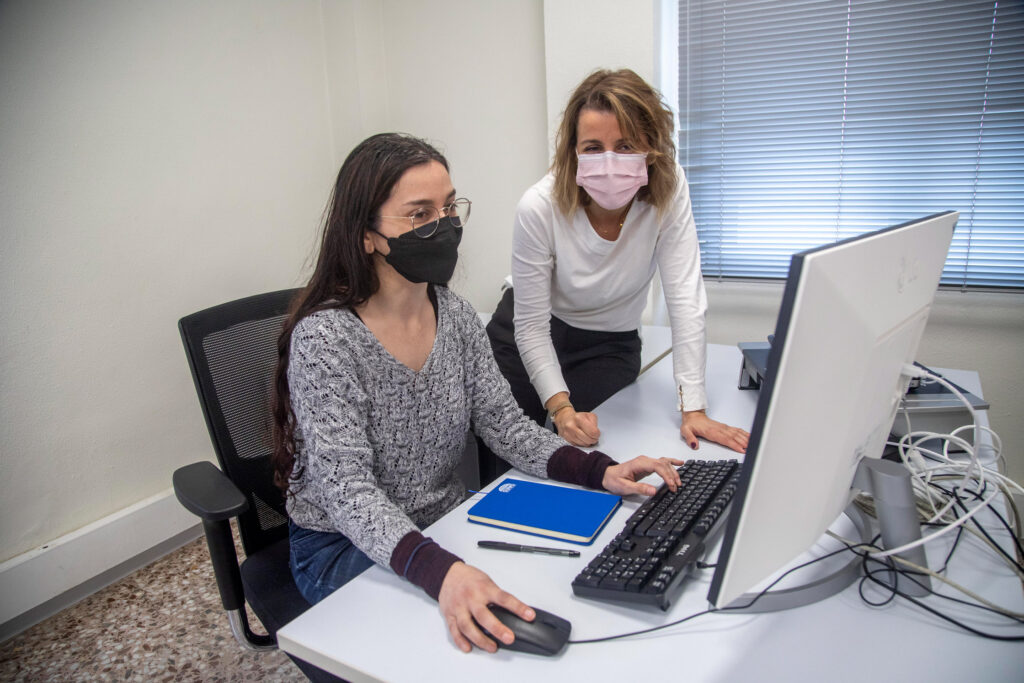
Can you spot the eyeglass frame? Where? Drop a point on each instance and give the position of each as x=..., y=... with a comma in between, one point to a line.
x=443, y=212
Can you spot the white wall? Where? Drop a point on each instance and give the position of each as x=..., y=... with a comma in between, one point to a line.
x=469, y=76
x=581, y=36
x=157, y=158
x=355, y=45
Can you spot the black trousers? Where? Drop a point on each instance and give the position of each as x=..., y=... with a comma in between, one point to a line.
x=594, y=365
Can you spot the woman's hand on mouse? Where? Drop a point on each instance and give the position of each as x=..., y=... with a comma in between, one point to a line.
x=465, y=594
x=624, y=479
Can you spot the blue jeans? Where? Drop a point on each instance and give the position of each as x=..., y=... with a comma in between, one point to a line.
x=321, y=562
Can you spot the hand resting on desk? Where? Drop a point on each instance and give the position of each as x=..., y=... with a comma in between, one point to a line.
x=466, y=591
x=580, y=429
x=696, y=423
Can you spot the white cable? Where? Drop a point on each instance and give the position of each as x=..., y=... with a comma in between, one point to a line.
x=921, y=476
x=911, y=451
x=867, y=504
x=925, y=570
x=990, y=474
x=963, y=484
x=996, y=447
x=944, y=530
x=972, y=451
x=912, y=370
x=944, y=461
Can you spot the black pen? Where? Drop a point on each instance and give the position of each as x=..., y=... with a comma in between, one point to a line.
x=516, y=548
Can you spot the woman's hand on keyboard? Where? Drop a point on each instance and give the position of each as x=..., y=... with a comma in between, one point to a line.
x=465, y=594
x=624, y=478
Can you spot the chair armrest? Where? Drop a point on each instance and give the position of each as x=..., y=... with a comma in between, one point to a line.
x=207, y=492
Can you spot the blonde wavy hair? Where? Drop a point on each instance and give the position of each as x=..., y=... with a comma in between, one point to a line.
x=645, y=121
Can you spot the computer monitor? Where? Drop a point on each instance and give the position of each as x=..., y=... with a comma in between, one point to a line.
x=852, y=315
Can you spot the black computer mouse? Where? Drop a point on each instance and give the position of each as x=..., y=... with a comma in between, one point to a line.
x=545, y=635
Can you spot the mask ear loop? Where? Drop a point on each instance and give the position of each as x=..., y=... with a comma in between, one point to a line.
x=375, y=249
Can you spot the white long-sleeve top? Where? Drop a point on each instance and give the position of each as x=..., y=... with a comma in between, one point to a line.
x=562, y=267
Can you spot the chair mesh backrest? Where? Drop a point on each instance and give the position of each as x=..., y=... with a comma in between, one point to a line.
x=242, y=365
x=232, y=351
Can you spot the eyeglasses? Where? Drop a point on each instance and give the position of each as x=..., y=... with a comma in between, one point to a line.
x=424, y=220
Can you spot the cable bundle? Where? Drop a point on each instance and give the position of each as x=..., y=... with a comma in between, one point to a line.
x=951, y=491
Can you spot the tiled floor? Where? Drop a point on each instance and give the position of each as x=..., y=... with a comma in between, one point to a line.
x=162, y=623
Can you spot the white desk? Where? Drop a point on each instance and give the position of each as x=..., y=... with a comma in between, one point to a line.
x=379, y=627
x=656, y=341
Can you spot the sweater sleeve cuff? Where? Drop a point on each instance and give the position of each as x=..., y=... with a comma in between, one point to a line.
x=575, y=466
x=422, y=561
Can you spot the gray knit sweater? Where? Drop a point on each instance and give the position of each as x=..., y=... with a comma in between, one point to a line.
x=378, y=444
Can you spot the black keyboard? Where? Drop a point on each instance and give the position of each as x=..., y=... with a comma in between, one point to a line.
x=663, y=539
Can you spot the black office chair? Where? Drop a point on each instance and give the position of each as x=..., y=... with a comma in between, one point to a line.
x=232, y=352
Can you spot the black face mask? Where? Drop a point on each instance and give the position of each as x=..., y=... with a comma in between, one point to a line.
x=426, y=259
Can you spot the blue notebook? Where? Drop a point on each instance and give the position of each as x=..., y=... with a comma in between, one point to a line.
x=546, y=510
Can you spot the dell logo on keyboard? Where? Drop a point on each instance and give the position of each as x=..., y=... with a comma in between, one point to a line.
x=506, y=487
x=682, y=551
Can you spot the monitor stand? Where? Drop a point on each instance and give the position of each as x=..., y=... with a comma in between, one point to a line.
x=889, y=483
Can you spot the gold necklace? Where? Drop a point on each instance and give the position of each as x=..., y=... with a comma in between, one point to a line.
x=607, y=232
x=625, y=213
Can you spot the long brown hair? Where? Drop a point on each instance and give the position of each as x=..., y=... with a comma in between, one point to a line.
x=345, y=275
x=645, y=122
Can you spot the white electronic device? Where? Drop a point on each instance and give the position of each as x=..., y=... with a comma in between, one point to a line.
x=852, y=316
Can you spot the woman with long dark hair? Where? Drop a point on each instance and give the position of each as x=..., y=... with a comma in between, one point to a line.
x=382, y=372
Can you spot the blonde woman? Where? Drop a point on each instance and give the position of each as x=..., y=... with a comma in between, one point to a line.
x=588, y=239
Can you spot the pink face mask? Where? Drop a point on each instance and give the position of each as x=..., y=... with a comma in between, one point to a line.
x=611, y=179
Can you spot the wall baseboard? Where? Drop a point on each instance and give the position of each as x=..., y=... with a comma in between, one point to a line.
x=38, y=584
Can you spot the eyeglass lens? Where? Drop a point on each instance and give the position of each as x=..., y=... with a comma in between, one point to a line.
x=426, y=219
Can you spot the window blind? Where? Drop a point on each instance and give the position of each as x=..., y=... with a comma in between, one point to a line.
x=809, y=121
